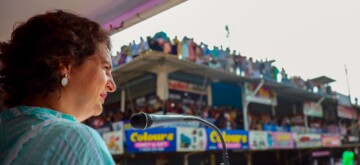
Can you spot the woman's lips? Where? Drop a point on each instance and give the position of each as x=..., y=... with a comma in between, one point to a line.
x=103, y=96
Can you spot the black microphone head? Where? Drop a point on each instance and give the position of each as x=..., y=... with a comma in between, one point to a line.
x=140, y=121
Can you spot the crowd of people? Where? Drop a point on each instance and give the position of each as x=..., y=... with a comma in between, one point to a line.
x=224, y=117
x=216, y=57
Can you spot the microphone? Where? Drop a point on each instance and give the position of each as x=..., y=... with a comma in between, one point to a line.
x=143, y=121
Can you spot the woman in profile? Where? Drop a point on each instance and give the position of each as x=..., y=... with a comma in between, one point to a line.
x=55, y=73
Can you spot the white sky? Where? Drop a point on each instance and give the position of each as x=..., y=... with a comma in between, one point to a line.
x=309, y=38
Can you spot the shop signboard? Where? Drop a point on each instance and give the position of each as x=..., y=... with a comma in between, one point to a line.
x=234, y=139
x=263, y=96
x=115, y=142
x=313, y=109
x=259, y=140
x=281, y=140
x=151, y=140
x=190, y=139
x=187, y=87
x=346, y=112
x=308, y=140
x=330, y=140
x=343, y=100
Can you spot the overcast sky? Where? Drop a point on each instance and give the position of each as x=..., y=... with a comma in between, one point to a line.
x=309, y=38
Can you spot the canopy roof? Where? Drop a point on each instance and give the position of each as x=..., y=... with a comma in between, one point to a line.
x=118, y=14
x=322, y=80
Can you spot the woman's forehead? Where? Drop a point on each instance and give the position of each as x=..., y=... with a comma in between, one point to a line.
x=102, y=55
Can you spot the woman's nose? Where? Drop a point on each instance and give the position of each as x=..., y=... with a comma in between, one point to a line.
x=111, y=86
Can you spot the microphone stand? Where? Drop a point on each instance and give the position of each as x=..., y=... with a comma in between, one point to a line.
x=225, y=154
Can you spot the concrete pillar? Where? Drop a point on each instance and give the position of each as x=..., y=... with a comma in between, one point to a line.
x=332, y=162
x=245, y=105
x=273, y=110
x=245, y=116
x=315, y=162
x=162, y=85
x=122, y=102
x=248, y=159
x=162, y=81
x=300, y=156
x=209, y=95
x=306, y=123
x=294, y=109
x=212, y=159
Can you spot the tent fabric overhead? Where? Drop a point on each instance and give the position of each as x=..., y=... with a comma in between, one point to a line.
x=119, y=14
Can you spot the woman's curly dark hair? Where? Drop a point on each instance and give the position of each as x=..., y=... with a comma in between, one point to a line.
x=30, y=61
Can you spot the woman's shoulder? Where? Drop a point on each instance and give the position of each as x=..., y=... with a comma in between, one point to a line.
x=73, y=127
x=73, y=140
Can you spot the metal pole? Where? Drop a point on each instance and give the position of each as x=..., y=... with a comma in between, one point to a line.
x=217, y=130
x=347, y=81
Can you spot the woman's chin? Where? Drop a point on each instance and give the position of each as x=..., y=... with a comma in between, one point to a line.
x=98, y=110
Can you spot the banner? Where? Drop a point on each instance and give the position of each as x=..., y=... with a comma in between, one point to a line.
x=312, y=109
x=330, y=140
x=281, y=140
x=347, y=112
x=263, y=96
x=308, y=140
x=190, y=139
x=349, y=139
x=343, y=100
x=115, y=142
x=187, y=87
x=151, y=140
x=234, y=139
x=258, y=140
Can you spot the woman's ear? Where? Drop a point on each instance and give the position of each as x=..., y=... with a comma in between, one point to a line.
x=65, y=68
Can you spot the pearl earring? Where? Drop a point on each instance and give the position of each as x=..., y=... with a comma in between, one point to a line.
x=64, y=80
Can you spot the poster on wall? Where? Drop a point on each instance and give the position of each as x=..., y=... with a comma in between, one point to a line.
x=234, y=139
x=117, y=126
x=281, y=140
x=151, y=140
x=263, y=96
x=190, y=139
x=313, y=109
x=258, y=140
x=308, y=140
x=115, y=142
x=330, y=140
x=346, y=112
